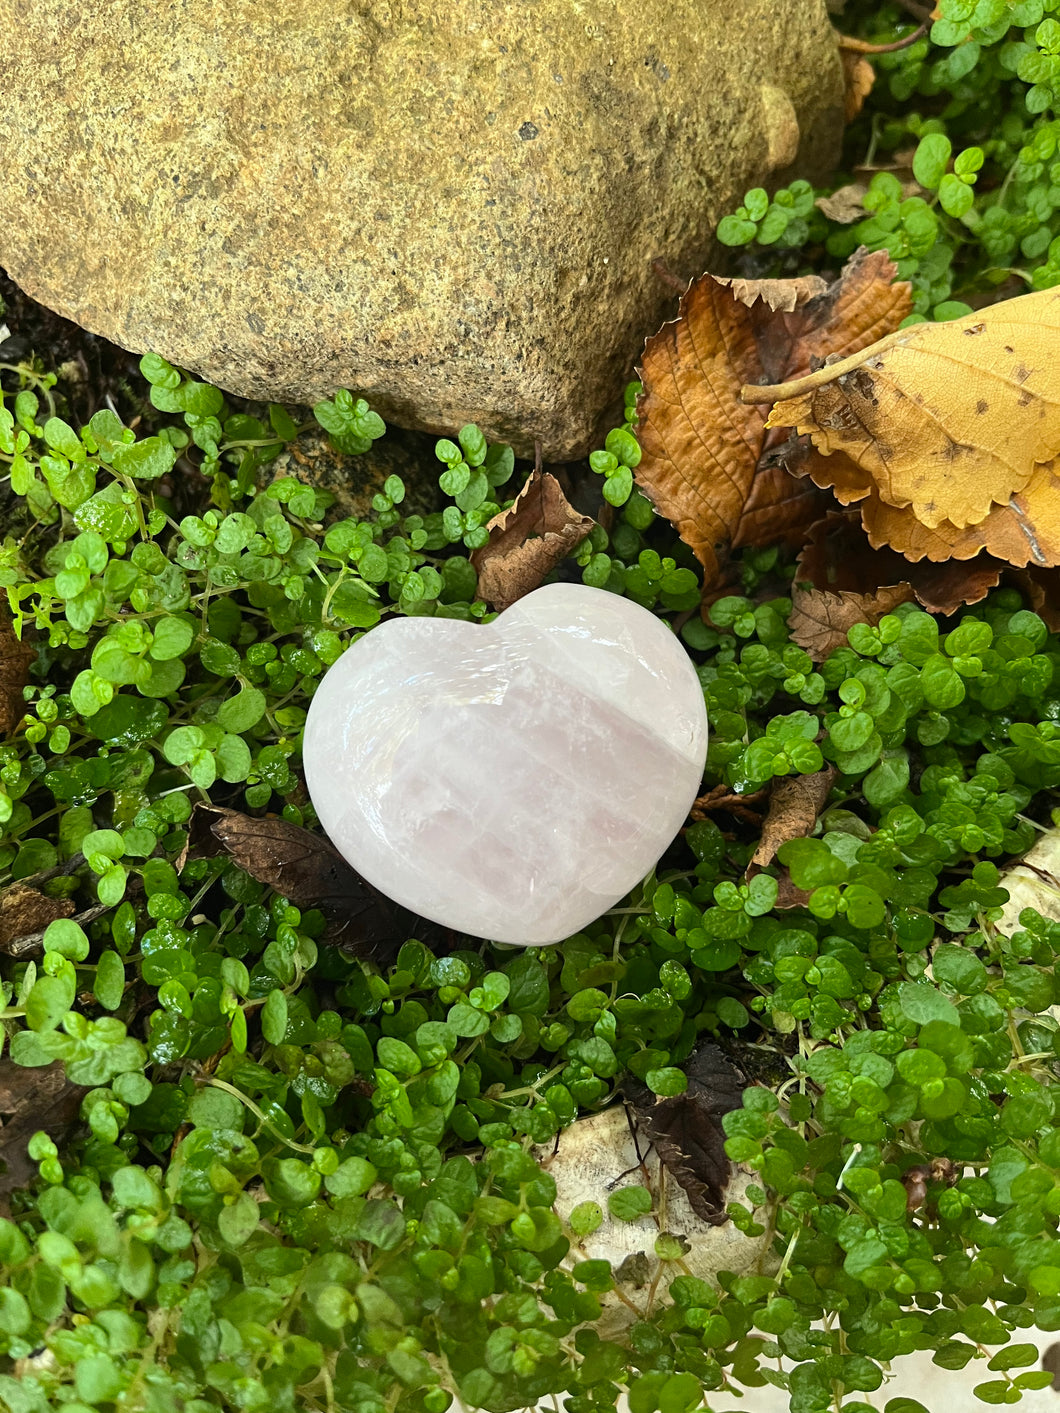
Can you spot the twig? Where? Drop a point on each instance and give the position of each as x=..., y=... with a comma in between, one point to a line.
x=722, y=798
x=862, y=46
x=798, y=387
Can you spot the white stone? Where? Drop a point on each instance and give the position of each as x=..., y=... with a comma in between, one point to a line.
x=598, y=1153
x=514, y=780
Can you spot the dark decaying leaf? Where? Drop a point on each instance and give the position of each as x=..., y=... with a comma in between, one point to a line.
x=686, y=1129
x=15, y=659
x=31, y=1101
x=308, y=870
x=528, y=540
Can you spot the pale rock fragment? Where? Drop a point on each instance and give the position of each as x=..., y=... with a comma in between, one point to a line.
x=514, y=780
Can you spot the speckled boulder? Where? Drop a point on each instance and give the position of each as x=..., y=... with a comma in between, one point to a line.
x=451, y=207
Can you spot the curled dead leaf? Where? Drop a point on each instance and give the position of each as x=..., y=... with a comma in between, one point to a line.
x=947, y=419
x=780, y=296
x=795, y=801
x=701, y=447
x=528, y=540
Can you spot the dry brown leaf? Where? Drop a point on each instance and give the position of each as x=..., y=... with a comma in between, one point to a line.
x=858, y=78
x=845, y=205
x=781, y=296
x=778, y=509
x=24, y=911
x=837, y=557
x=1025, y=531
x=788, y=896
x=795, y=801
x=700, y=445
x=948, y=419
x=820, y=622
x=528, y=540
x=15, y=659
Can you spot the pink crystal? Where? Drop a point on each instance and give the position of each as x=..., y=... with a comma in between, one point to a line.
x=512, y=781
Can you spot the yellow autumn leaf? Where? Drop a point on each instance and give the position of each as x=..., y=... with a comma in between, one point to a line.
x=949, y=420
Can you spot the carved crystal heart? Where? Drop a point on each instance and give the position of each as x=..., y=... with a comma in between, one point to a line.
x=512, y=781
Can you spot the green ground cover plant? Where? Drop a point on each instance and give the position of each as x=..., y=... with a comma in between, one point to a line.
x=957, y=150
x=303, y=1178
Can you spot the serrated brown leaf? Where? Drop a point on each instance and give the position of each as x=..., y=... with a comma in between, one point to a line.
x=779, y=296
x=795, y=801
x=308, y=870
x=949, y=420
x=838, y=557
x=15, y=659
x=24, y=912
x=1026, y=531
x=527, y=541
x=701, y=447
x=31, y=1101
x=686, y=1129
x=820, y=622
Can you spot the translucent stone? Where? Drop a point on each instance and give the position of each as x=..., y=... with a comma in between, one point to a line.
x=512, y=781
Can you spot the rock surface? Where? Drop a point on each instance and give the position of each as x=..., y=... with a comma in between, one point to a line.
x=452, y=209
x=513, y=780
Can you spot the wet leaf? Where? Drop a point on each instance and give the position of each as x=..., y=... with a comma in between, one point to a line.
x=309, y=871
x=527, y=541
x=946, y=419
x=31, y=1101
x=686, y=1129
x=795, y=801
x=702, y=448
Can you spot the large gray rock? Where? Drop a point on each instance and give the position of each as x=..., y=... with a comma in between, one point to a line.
x=451, y=207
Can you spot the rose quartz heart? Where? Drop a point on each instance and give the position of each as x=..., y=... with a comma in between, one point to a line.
x=512, y=781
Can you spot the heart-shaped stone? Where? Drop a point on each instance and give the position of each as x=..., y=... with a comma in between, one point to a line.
x=512, y=781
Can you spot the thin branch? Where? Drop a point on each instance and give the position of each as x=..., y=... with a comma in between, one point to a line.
x=861, y=46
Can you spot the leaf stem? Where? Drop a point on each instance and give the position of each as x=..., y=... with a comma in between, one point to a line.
x=799, y=387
